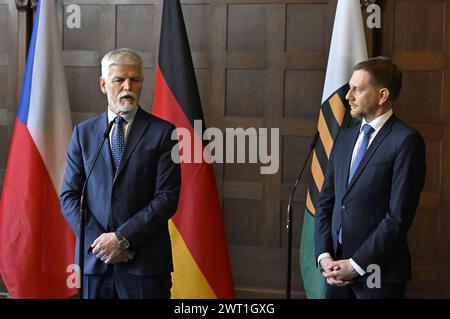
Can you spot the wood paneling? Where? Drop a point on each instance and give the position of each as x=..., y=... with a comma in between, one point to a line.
x=424, y=105
x=88, y=36
x=261, y=64
x=416, y=34
x=133, y=31
x=245, y=93
x=4, y=28
x=198, y=20
x=411, y=34
x=308, y=27
x=3, y=80
x=300, y=101
x=3, y=146
x=247, y=27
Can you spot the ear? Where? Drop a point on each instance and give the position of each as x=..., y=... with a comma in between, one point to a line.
x=102, y=85
x=384, y=96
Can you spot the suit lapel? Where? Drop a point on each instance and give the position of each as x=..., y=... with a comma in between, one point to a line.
x=384, y=131
x=137, y=130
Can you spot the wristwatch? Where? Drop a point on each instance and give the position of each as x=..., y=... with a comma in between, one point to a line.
x=123, y=242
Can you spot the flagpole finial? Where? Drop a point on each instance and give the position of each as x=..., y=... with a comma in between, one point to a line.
x=23, y=5
x=365, y=3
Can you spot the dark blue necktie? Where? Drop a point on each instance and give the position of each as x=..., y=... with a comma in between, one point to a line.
x=367, y=131
x=118, y=141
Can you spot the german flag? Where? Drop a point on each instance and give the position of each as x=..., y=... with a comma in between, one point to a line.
x=201, y=262
x=348, y=47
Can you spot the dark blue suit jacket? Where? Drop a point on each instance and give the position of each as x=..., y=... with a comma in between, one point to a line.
x=138, y=200
x=377, y=207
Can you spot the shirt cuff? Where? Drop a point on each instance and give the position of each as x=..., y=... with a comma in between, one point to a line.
x=356, y=267
x=322, y=256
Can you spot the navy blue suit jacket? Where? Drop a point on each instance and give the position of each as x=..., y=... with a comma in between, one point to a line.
x=138, y=200
x=377, y=207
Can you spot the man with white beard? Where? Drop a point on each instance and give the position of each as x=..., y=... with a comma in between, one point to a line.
x=131, y=194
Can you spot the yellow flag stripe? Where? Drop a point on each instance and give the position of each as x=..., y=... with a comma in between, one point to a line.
x=317, y=172
x=309, y=204
x=337, y=107
x=325, y=136
x=187, y=278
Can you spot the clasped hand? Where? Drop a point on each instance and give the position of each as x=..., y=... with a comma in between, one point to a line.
x=106, y=248
x=338, y=272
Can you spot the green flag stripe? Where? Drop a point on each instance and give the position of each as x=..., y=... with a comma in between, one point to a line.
x=313, y=281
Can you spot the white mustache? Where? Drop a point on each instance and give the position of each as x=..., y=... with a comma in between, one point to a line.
x=132, y=94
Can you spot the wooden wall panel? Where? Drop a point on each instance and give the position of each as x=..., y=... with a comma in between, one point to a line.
x=419, y=26
x=247, y=27
x=427, y=104
x=84, y=92
x=308, y=27
x=198, y=20
x=303, y=88
x=133, y=23
x=3, y=78
x=88, y=36
x=245, y=93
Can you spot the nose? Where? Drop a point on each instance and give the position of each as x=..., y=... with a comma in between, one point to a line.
x=127, y=85
x=348, y=95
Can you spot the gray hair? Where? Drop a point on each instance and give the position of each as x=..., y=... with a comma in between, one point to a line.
x=122, y=56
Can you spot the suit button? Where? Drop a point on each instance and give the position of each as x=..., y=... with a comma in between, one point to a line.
x=337, y=231
x=114, y=200
x=112, y=229
x=343, y=207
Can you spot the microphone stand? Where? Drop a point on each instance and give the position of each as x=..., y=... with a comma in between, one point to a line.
x=83, y=213
x=289, y=218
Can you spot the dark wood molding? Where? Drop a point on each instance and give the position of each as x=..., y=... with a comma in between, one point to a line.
x=365, y=3
x=23, y=5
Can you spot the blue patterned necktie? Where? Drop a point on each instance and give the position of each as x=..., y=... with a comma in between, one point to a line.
x=118, y=141
x=367, y=130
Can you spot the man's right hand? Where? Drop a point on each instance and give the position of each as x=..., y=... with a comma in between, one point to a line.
x=106, y=248
x=327, y=269
x=325, y=262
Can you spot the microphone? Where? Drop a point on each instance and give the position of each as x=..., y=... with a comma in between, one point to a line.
x=289, y=216
x=83, y=211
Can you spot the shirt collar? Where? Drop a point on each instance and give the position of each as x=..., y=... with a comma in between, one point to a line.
x=129, y=116
x=378, y=123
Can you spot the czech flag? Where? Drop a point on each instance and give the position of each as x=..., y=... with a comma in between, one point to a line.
x=36, y=244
